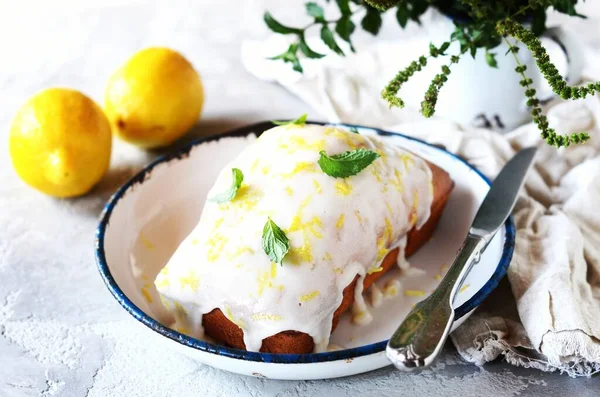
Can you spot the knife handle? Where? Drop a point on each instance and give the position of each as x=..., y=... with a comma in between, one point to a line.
x=422, y=334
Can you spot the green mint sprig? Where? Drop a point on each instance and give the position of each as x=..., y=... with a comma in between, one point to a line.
x=274, y=241
x=346, y=164
x=480, y=25
x=237, y=177
x=331, y=30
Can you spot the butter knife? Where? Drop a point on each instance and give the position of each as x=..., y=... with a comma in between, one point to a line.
x=422, y=334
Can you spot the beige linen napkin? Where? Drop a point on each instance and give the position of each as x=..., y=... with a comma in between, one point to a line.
x=553, y=321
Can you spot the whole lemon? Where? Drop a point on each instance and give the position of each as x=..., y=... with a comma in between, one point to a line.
x=155, y=98
x=60, y=142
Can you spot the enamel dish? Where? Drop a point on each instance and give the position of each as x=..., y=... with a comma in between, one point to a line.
x=148, y=217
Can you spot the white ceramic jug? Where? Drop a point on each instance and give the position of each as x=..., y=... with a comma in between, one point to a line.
x=479, y=95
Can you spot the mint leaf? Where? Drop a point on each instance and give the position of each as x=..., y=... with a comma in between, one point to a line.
x=329, y=40
x=490, y=58
x=299, y=121
x=345, y=27
x=274, y=241
x=306, y=50
x=418, y=8
x=371, y=22
x=344, y=6
x=444, y=47
x=315, y=11
x=290, y=56
x=538, y=21
x=278, y=27
x=402, y=16
x=346, y=164
x=237, y=179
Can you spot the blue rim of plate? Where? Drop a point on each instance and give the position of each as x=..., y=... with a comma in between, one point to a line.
x=230, y=352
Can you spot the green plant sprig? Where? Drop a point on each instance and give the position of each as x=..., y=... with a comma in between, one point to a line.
x=542, y=59
x=486, y=25
x=548, y=134
x=344, y=27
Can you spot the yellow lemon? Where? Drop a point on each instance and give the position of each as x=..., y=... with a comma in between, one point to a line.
x=60, y=142
x=155, y=98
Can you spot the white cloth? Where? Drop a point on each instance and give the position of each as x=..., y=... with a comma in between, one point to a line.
x=555, y=271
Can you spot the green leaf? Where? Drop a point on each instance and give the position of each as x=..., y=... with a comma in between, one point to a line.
x=458, y=34
x=274, y=241
x=354, y=130
x=402, y=15
x=344, y=6
x=306, y=50
x=418, y=8
x=346, y=164
x=371, y=22
x=490, y=58
x=538, y=21
x=444, y=47
x=567, y=7
x=277, y=27
x=290, y=56
x=329, y=40
x=299, y=121
x=237, y=177
x=473, y=51
x=315, y=11
x=345, y=27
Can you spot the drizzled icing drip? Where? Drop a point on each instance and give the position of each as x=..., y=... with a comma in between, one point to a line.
x=338, y=229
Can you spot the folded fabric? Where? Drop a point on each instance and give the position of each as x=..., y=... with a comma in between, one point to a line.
x=549, y=315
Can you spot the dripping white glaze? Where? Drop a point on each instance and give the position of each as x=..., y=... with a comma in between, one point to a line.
x=338, y=229
x=392, y=288
x=376, y=296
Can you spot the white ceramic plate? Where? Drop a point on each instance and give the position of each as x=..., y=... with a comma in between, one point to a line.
x=151, y=214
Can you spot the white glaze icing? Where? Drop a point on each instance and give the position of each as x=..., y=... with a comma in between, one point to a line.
x=392, y=288
x=338, y=229
x=376, y=296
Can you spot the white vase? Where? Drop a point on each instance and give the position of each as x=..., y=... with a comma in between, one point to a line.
x=481, y=96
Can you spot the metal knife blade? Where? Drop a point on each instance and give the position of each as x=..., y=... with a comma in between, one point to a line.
x=502, y=196
x=419, y=339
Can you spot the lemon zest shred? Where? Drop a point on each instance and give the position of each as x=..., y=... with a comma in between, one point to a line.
x=146, y=293
x=343, y=188
x=180, y=311
x=300, y=167
x=240, y=251
x=164, y=301
x=317, y=186
x=147, y=243
x=265, y=316
x=414, y=292
x=190, y=280
x=406, y=159
x=310, y=296
x=340, y=222
x=254, y=165
x=357, y=213
x=374, y=269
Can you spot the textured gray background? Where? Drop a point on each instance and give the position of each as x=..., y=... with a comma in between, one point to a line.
x=61, y=333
